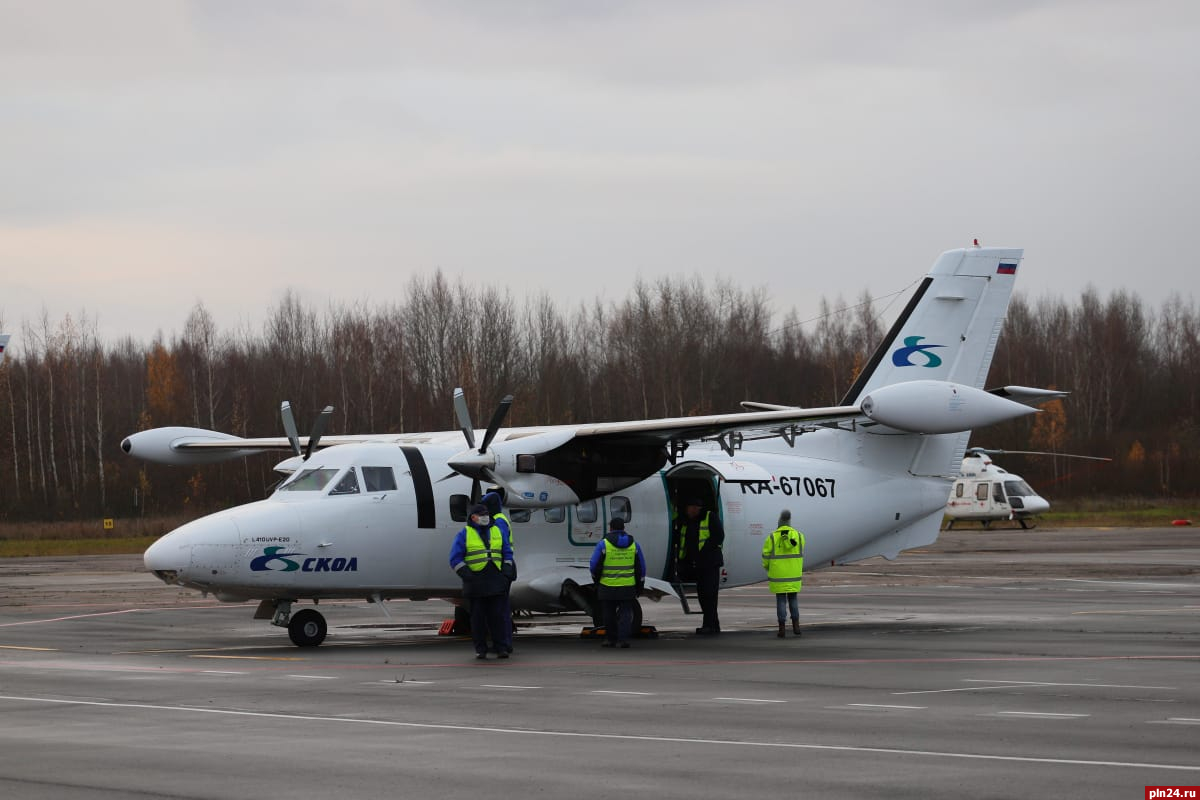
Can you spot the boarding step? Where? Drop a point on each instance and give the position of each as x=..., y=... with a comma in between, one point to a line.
x=687, y=591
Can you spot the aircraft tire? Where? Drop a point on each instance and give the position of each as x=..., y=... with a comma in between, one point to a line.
x=307, y=628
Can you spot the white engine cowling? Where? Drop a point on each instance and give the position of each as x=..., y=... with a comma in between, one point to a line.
x=939, y=407
x=161, y=445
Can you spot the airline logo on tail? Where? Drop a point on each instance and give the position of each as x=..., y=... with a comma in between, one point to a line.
x=903, y=356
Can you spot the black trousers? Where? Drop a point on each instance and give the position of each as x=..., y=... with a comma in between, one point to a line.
x=618, y=619
x=487, y=617
x=708, y=580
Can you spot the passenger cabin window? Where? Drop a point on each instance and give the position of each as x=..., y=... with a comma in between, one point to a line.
x=587, y=511
x=620, y=508
x=556, y=514
x=309, y=480
x=519, y=514
x=998, y=492
x=379, y=479
x=347, y=485
x=981, y=491
x=958, y=490
x=459, y=505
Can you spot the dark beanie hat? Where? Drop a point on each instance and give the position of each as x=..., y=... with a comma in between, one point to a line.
x=617, y=524
x=479, y=508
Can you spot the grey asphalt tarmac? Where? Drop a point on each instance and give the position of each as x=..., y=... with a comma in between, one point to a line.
x=1001, y=665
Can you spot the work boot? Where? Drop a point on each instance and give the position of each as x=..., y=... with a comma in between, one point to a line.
x=795, y=627
x=781, y=629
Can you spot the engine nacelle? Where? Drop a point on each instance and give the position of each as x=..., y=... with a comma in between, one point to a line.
x=939, y=407
x=161, y=445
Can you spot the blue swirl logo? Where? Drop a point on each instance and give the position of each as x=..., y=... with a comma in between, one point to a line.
x=263, y=562
x=903, y=356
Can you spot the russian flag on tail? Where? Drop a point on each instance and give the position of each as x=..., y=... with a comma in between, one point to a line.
x=1006, y=269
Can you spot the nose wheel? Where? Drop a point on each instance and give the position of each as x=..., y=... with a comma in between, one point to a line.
x=307, y=628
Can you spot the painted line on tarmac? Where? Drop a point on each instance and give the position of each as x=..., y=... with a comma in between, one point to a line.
x=614, y=691
x=960, y=689
x=35, y=649
x=505, y=686
x=72, y=617
x=473, y=729
x=1139, y=611
x=880, y=705
x=1093, y=685
x=745, y=700
x=243, y=658
x=1036, y=715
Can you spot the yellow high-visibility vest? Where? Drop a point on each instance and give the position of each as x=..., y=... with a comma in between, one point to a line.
x=479, y=554
x=619, y=565
x=783, y=561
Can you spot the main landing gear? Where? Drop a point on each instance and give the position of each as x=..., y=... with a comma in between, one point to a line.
x=306, y=628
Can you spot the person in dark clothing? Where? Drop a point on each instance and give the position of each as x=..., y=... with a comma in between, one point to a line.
x=482, y=556
x=701, y=536
x=619, y=570
x=494, y=500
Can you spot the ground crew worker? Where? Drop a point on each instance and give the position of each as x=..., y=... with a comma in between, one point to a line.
x=783, y=559
x=494, y=500
x=482, y=556
x=619, y=571
x=701, y=536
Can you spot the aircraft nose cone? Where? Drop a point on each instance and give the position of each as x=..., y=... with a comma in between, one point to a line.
x=170, y=556
x=1036, y=505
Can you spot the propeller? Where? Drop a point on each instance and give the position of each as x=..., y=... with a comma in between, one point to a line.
x=476, y=465
x=318, y=429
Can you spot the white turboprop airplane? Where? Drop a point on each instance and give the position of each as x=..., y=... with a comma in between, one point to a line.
x=374, y=516
x=985, y=492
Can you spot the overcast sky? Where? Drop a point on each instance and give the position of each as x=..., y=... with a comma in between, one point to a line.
x=155, y=154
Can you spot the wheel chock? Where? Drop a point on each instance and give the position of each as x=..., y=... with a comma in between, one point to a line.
x=447, y=628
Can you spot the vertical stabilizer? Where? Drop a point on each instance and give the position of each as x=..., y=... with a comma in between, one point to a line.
x=949, y=329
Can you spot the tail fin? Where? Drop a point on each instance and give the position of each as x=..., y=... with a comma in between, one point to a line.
x=949, y=329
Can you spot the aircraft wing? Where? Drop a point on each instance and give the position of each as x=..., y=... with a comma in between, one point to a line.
x=754, y=424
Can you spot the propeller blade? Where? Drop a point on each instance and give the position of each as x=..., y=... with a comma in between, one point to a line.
x=494, y=425
x=493, y=477
x=464, y=417
x=317, y=430
x=476, y=492
x=289, y=426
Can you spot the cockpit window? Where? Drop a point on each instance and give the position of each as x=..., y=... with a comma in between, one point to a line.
x=347, y=485
x=379, y=479
x=309, y=480
x=1018, y=489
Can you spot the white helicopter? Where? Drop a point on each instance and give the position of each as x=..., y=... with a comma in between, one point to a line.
x=985, y=492
x=373, y=516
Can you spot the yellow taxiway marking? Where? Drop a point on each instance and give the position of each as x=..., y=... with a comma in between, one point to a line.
x=252, y=658
x=39, y=649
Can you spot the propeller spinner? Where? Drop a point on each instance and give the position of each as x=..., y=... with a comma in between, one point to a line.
x=477, y=464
